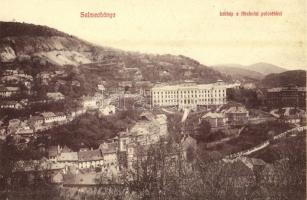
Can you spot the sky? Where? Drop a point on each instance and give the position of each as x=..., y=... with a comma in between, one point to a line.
x=192, y=28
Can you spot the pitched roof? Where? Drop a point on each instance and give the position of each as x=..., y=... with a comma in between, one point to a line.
x=68, y=156
x=191, y=85
x=36, y=118
x=256, y=161
x=274, y=89
x=90, y=155
x=54, y=94
x=237, y=109
x=161, y=118
x=251, y=162
x=66, y=149
x=147, y=116
x=48, y=114
x=52, y=151
x=9, y=102
x=213, y=115
x=108, y=148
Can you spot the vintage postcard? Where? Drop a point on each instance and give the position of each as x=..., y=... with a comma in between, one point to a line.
x=153, y=100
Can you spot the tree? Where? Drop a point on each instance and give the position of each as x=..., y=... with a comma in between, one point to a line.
x=203, y=130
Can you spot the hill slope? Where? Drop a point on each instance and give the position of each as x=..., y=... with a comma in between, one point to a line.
x=252, y=72
x=293, y=77
x=40, y=48
x=265, y=68
x=238, y=72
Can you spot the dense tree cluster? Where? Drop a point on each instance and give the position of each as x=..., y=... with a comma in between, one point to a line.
x=248, y=97
x=90, y=129
x=293, y=77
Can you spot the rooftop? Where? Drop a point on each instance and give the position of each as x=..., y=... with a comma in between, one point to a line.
x=52, y=151
x=111, y=150
x=147, y=116
x=90, y=155
x=279, y=89
x=191, y=85
x=213, y=115
x=236, y=109
x=48, y=114
x=9, y=102
x=68, y=156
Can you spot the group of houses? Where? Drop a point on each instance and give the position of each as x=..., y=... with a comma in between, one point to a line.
x=149, y=129
x=104, y=158
x=290, y=115
x=112, y=155
x=41, y=121
x=233, y=116
x=17, y=83
x=13, y=83
x=16, y=77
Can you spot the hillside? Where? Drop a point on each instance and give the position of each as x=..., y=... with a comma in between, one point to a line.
x=255, y=71
x=293, y=77
x=36, y=48
x=238, y=72
x=265, y=68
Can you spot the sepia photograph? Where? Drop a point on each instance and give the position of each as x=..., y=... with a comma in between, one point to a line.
x=153, y=100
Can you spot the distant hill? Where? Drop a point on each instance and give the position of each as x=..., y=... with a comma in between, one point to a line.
x=293, y=77
x=265, y=68
x=255, y=71
x=238, y=72
x=40, y=48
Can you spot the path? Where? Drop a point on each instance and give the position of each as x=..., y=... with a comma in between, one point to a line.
x=266, y=143
x=185, y=114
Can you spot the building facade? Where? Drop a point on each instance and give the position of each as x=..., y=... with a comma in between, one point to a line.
x=50, y=117
x=290, y=96
x=189, y=95
x=237, y=116
x=215, y=119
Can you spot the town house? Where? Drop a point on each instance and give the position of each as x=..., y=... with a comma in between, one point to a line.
x=215, y=119
x=89, y=103
x=237, y=115
x=90, y=159
x=50, y=117
x=55, y=96
x=8, y=91
x=110, y=156
x=68, y=159
x=11, y=105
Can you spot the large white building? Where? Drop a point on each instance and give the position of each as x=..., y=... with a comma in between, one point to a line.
x=189, y=95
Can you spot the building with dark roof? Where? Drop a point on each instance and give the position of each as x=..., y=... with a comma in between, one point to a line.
x=88, y=159
x=290, y=96
x=237, y=115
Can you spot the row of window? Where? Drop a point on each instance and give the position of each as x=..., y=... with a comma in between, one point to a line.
x=184, y=96
x=189, y=92
x=188, y=101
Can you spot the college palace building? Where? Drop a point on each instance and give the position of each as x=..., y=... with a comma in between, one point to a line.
x=190, y=95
